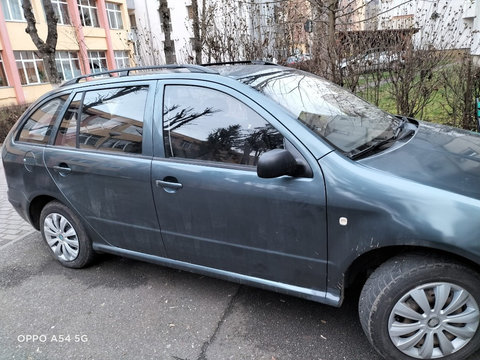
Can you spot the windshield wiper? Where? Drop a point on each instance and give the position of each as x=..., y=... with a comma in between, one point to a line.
x=404, y=129
x=400, y=131
x=398, y=128
x=374, y=144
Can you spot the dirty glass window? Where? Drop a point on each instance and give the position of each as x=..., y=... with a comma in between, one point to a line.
x=345, y=120
x=206, y=124
x=39, y=125
x=67, y=133
x=110, y=120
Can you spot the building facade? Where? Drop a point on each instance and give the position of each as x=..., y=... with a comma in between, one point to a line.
x=442, y=24
x=229, y=30
x=93, y=36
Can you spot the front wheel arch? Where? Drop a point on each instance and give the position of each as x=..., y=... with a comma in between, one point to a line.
x=364, y=265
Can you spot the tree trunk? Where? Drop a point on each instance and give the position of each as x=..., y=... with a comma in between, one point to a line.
x=197, y=41
x=168, y=44
x=45, y=48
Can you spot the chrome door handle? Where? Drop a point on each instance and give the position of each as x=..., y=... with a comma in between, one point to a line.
x=169, y=184
x=62, y=169
x=172, y=185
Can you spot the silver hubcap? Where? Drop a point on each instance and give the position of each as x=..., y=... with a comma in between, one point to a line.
x=433, y=320
x=61, y=237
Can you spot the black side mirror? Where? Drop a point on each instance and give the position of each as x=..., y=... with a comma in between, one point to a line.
x=275, y=163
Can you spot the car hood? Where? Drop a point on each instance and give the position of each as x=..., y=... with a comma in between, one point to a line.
x=438, y=156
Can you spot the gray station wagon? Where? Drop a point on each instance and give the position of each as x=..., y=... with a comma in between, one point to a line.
x=267, y=176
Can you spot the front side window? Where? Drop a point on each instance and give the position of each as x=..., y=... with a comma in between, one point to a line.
x=114, y=14
x=12, y=10
x=98, y=61
x=68, y=65
x=30, y=68
x=3, y=76
x=39, y=125
x=206, y=124
x=108, y=120
x=88, y=12
x=60, y=7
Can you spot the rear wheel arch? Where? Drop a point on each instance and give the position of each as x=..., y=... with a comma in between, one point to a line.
x=36, y=207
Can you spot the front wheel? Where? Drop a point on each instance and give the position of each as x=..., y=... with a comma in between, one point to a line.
x=421, y=307
x=65, y=235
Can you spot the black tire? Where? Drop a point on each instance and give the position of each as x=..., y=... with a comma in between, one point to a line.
x=58, y=224
x=396, y=283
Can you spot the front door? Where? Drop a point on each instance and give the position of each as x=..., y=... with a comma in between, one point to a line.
x=212, y=207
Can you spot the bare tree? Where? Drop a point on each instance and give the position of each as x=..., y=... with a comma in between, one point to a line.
x=46, y=48
x=168, y=44
x=197, y=24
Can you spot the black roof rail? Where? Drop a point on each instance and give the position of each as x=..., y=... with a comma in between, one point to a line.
x=251, y=62
x=126, y=71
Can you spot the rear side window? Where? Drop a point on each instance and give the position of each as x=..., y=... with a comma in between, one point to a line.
x=105, y=120
x=206, y=124
x=39, y=125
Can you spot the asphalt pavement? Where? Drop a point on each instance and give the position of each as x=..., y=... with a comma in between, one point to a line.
x=125, y=309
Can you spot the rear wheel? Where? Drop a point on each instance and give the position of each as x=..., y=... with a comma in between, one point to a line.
x=65, y=236
x=417, y=307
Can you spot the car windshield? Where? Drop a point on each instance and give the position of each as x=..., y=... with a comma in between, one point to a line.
x=343, y=119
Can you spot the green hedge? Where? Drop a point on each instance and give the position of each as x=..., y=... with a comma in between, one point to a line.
x=8, y=116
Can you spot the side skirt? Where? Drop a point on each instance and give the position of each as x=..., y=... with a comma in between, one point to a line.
x=328, y=298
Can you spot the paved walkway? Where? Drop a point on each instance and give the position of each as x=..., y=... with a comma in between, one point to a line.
x=12, y=226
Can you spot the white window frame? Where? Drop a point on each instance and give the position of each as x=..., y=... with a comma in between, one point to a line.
x=96, y=56
x=122, y=60
x=7, y=12
x=67, y=59
x=92, y=9
x=115, y=11
x=34, y=61
x=57, y=5
x=2, y=68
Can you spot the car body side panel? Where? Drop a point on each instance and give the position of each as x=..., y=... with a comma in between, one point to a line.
x=383, y=210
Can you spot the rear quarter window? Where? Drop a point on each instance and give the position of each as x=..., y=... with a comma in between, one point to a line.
x=38, y=127
x=105, y=120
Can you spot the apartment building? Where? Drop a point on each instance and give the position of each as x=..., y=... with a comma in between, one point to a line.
x=93, y=36
x=231, y=29
x=439, y=24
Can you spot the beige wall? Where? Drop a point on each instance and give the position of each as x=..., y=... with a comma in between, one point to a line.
x=95, y=39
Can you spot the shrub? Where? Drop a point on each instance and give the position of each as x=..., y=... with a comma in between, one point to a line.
x=8, y=116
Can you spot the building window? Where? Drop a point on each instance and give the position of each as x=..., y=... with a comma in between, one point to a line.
x=30, y=68
x=121, y=59
x=133, y=21
x=190, y=11
x=12, y=10
x=88, y=12
x=61, y=11
x=3, y=76
x=114, y=16
x=98, y=61
x=68, y=65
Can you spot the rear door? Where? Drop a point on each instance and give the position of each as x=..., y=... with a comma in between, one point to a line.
x=101, y=162
x=212, y=207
